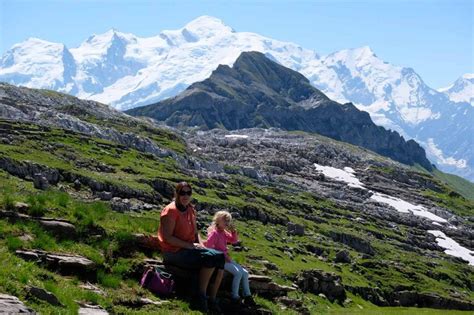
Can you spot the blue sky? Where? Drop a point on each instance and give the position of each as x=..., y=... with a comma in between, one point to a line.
x=432, y=36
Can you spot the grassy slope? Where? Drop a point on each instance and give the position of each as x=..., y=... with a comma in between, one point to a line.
x=116, y=265
x=458, y=184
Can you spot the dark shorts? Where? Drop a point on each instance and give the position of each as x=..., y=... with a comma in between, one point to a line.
x=195, y=258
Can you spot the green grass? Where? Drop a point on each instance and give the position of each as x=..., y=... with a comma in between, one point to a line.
x=105, y=236
x=459, y=184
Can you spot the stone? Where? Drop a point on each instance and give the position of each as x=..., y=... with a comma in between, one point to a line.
x=318, y=281
x=353, y=241
x=343, y=256
x=40, y=181
x=10, y=304
x=66, y=264
x=44, y=295
x=21, y=206
x=269, y=237
x=77, y=184
x=105, y=195
x=270, y=265
x=269, y=289
x=87, y=309
x=259, y=278
x=89, y=286
x=59, y=228
x=120, y=205
x=295, y=229
x=149, y=242
x=163, y=187
x=221, y=195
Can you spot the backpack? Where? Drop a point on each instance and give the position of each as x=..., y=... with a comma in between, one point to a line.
x=157, y=281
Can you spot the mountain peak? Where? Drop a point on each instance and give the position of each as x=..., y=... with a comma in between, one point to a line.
x=208, y=26
x=110, y=35
x=258, y=67
x=361, y=53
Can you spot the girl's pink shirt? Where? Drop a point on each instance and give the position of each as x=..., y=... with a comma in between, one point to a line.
x=217, y=239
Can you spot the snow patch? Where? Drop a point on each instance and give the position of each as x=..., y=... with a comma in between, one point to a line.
x=452, y=247
x=346, y=175
x=406, y=207
x=237, y=136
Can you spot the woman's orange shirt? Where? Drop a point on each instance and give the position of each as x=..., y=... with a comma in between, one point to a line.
x=184, y=228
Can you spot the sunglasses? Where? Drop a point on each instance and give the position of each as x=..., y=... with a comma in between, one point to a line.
x=184, y=193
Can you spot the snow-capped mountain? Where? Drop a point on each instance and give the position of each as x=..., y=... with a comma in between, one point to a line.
x=127, y=71
x=462, y=90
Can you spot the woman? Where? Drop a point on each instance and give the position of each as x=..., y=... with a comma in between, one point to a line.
x=181, y=245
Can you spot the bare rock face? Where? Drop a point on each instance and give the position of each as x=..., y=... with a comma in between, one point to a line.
x=318, y=281
x=12, y=305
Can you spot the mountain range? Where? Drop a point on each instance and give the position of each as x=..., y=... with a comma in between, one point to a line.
x=127, y=71
x=258, y=92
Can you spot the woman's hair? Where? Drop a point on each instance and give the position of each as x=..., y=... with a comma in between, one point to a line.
x=179, y=187
x=217, y=216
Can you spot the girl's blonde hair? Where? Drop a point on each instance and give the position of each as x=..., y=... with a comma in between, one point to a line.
x=217, y=216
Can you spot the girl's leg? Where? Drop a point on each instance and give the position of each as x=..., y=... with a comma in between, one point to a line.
x=230, y=267
x=245, y=279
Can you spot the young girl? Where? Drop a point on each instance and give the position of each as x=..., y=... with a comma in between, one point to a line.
x=220, y=232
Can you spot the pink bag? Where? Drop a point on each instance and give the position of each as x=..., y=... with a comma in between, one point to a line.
x=157, y=281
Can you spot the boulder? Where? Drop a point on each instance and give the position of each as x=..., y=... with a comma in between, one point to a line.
x=87, y=309
x=105, y=195
x=318, y=281
x=295, y=229
x=120, y=205
x=264, y=286
x=40, y=181
x=12, y=305
x=60, y=228
x=343, y=256
x=44, y=295
x=65, y=264
x=21, y=206
x=163, y=187
x=353, y=241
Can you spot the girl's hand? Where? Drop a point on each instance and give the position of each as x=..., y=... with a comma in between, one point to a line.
x=231, y=227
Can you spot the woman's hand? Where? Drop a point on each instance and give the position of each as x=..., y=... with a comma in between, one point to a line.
x=198, y=246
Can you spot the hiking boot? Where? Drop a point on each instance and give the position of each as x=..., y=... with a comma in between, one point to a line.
x=249, y=301
x=200, y=304
x=236, y=302
x=214, y=307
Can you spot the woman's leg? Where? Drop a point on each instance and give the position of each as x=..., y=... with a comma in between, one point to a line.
x=204, y=277
x=232, y=268
x=217, y=284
